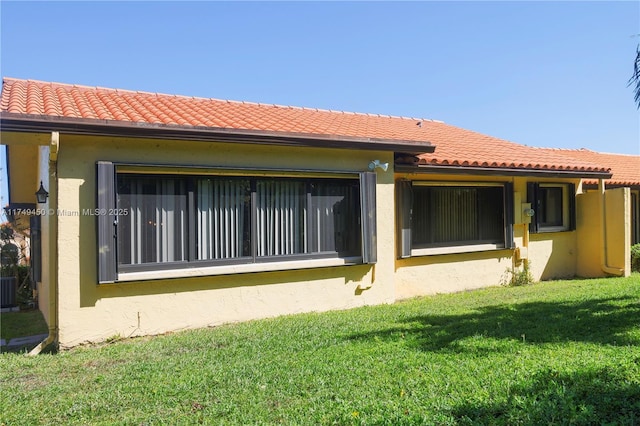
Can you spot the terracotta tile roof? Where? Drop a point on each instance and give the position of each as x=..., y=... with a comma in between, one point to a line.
x=624, y=167
x=81, y=102
x=454, y=146
x=465, y=148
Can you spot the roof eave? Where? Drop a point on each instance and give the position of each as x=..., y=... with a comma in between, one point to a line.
x=84, y=126
x=614, y=184
x=501, y=171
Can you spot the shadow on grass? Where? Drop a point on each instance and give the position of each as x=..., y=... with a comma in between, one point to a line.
x=603, y=321
x=604, y=396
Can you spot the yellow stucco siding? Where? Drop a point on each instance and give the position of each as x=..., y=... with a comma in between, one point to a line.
x=604, y=250
x=589, y=262
x=23, y=183
x=93, y=312
x=553, y=255
x=449, y=273
x=618, y=222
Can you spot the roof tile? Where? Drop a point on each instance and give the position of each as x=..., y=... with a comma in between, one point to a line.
x=454, y=145
x=625, y=168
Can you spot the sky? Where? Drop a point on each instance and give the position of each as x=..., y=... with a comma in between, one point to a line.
x=550, y=74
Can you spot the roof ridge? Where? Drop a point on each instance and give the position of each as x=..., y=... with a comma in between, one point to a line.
x=48, y=83
x=304, y=108
x=586, y=150
x=262, y=104
x=616, y=153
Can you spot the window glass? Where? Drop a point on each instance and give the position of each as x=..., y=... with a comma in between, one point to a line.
x=551, y=212
x=223, y=218
x=450, y=215
x=187, y=218
x=281, y=217
x=155, y=226
x=335, y=213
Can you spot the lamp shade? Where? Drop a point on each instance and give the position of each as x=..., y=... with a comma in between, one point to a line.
x=41, y=194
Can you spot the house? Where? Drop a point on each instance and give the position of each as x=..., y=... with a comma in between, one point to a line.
x=171, y=212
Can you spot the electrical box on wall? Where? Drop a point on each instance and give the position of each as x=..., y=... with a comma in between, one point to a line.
x=527, y=212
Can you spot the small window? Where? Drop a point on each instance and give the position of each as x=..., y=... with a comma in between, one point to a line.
x=554, y=207
x=173, y=221
x=450, y=218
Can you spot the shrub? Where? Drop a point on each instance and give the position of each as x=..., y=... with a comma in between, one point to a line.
x=635, y=257
x=515, y=277
x=25, y=292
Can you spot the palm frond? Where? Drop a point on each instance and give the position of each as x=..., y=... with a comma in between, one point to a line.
x=635, y=78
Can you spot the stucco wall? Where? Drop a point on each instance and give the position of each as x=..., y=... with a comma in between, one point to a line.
x=553, y=255
x=588, y=237
x=92, y=312
x=594, y=256
x=618, y=222
x=449, y=273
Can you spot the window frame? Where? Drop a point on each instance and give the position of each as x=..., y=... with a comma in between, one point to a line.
x=109, y=270
x=568, y=210
x=405, y=198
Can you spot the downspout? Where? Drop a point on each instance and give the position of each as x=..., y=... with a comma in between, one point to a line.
x=525, y=244
x=54, y=147
x=603, y=235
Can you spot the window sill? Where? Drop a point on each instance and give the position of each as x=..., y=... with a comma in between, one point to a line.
x=548, y=229
x=237, y=269
x=456, y=249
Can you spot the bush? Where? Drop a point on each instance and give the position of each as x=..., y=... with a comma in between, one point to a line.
x=515, y=277
x=635, y=257
x=25, y=293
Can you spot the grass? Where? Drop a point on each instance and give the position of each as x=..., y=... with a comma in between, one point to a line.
x=22, y=323
x=553, y=353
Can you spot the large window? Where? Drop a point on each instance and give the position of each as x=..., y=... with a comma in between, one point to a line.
x=446, y=218
x=553, y=205
x=169, y=221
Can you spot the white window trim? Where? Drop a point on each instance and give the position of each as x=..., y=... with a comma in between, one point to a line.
x=237, y=269
x=456, y=249
x=457, y=184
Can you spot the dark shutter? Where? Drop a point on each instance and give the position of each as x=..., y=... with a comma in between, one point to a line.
x=572, y=207
x=35, y=225
x=508, y=215
x=532, y=197
x=106, y=204
x=404, y=203
x=368, y=217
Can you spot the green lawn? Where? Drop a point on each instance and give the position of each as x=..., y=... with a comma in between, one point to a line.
x=553, y=353
x=22, y=323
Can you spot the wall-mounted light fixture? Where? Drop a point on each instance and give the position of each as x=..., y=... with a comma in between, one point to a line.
x=377, y=164
x=41, y=194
